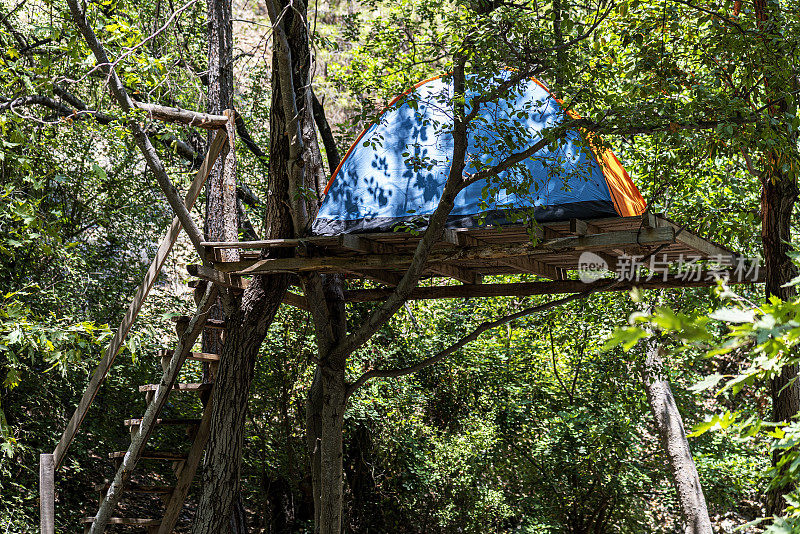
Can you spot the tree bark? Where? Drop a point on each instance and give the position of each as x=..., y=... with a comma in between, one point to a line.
x=247, y=328
x=778, y=196
x=221, y=215
x=669, y=425
x=248, y=319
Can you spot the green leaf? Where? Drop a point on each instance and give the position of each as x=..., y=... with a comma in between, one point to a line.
x=733, y=315
x=707, y=383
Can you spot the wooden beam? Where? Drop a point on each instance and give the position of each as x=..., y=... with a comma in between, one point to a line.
x=492, y=252
x=382, y=276
x=580, y=227
x=47, y=494
x=220, y=278
x=298, y=301
x=456, y=272
x=234, y=281
x=527, y=264
x=183, y=116
x=217, y=146
x=273, y=243
x=524, y=264
x=524, y=289
x=366, y=245
x=706, y=248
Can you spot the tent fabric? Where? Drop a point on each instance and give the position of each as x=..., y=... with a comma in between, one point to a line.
x=394, y=173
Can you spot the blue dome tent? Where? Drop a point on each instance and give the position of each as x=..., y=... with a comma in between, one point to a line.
x=395, y=171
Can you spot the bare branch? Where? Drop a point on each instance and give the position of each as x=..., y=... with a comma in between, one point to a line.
x=327, y=136
x=142, y=141
x=475, y=334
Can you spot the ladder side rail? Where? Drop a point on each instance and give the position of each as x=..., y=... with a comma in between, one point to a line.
x=218, y=145
x=187, y=472
x=150, y=417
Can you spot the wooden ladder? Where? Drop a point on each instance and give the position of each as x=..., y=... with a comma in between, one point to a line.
x=183, y=464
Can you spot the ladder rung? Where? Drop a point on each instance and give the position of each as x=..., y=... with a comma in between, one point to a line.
x=138, y=422
x=210, y=323
x=137, y=488
x=197, y=356
x=177, y=387
x=151, y=455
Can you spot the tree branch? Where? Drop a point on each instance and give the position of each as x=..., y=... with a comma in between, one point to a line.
x=475, y=334
x=291, y=118
x=244, y=135
x=327, y=136
x=432, y=234
x=139, y=135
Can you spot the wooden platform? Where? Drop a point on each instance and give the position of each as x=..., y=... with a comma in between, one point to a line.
x=468, y=255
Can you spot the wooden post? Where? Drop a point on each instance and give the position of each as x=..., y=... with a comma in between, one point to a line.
x=47, y=493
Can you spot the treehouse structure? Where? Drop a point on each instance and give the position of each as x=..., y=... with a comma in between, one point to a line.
x=568, y=198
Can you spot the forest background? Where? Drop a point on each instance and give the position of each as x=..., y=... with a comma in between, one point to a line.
x=541, y=426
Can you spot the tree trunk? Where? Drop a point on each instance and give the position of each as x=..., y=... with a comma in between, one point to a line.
x=221, y=222
x=673, y=441
x=333, y=405
x=247, y=327
x=326, y=404
x=313, y=440
x=778, y=196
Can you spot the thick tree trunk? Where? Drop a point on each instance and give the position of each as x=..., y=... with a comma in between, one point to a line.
x=669, y=425
x=333, y=405
x=778, y=197
x=221, y=222
x=221, y=215
x=326, y=404
x=248, y=321
x=247, y=327
x=313, y=440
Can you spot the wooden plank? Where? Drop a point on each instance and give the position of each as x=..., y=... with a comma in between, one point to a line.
x=139, y=439
x=298, y=301
x=193, y=387
x=363, y=244
x=456, y=272
x=272, y=243
x=220, y=278
x=217, y=146
x=150, y=455
x=491, y=253
x=140, y=488
x=176, y=422
x=235, y=282
x=523, y=264
x=527, y=264
x=706, y=248
x=524, y=289
x=390, y=278
x=131, y=521
x=187, y=472
x=47, y=494
x=581, y=227
x=197, y=356
x=210, y=324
